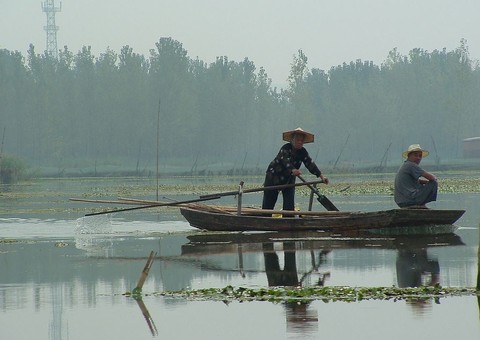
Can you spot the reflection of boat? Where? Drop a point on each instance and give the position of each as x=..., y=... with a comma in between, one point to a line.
x=305, y=253
x=414, y=220
x=222, y=243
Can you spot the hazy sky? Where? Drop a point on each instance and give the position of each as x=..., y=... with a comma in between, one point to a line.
x=268, y=32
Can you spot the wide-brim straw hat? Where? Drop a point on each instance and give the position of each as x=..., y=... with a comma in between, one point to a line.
x=307, y=136
x=413, y=148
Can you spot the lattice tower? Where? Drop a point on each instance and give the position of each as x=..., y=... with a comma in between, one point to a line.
x=48, y=6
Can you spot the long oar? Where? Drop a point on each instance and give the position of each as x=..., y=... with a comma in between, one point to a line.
x=321, y=198
x=155, y=205
x=273, y=187
x=202, y=198
x=120, y=201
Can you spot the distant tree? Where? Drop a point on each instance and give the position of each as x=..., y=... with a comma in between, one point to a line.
x=297, y=92
x=171, y=81
x=83, y=110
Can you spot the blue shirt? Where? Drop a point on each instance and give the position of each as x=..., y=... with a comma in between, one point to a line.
x=406, y=182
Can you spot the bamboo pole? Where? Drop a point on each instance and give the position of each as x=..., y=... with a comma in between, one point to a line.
x=158, y=143
x=154, y=205
x=144, y=274
x=1, y=154
x=146, y=315
x=478, y=267
x=239, y=198
x=134, y=201
x=131, y=202
x=273, y=187
x=478, y=271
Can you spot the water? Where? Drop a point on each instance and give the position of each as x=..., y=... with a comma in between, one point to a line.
x=63, y=276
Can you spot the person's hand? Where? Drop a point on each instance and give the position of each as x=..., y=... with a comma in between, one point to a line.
x=296, y=172
x=324, y=179
x=423, y=181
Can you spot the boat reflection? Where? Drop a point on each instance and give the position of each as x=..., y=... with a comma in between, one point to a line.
x=288, y=276
x=409, y=248
x=300, y=317
x=414, y=266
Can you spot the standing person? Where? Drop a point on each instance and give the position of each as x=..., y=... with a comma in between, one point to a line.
x=285, y=167
x=413, y=185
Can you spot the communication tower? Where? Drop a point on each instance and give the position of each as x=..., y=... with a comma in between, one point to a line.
x=48, y=6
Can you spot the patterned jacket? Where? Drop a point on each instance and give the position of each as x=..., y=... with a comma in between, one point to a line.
x=279, y=170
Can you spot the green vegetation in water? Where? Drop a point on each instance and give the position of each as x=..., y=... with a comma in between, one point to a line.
x=51, y=196
x=8, y=241
x=136, y=293
x=369, y=186
x=359, y=186
x=326, y=294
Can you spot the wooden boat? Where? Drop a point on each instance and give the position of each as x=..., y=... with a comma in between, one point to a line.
x=409, y=221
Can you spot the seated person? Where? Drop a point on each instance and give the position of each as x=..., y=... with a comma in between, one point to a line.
x=414, y=187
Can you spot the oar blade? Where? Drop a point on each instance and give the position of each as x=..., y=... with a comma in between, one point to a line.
x=327, y=203
x=320, y=197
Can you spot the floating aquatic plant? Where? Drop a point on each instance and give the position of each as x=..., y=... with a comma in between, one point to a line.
x=326, y=293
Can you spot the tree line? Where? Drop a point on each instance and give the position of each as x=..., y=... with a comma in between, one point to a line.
x=120, y=108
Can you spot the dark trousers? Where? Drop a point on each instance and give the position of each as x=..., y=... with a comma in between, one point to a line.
x=275, y=276
x=427, y=193
x=270, y=198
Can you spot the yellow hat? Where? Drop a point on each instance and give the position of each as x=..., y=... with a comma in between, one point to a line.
x=307, y=136
x=413, y=148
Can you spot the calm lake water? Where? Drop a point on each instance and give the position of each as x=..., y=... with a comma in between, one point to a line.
x=63, y=276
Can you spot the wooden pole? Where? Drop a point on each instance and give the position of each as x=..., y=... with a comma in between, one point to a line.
x=137, y=294
x=158, y=142
x=1, y=154
x=146, y=315
x=321, y=198
x=155, y=205
x=144, y=274
x=273, y=187
x=437, y=158
x=341, y=151
x=478, y=272
x=130, y=202
x=478, y=268
x=310, y=201
x=383, y=161
x=239, y=198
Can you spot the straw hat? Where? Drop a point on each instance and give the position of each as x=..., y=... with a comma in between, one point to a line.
x=413, y=148
x=308, y=137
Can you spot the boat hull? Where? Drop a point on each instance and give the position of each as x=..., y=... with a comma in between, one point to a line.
x=395, y=218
